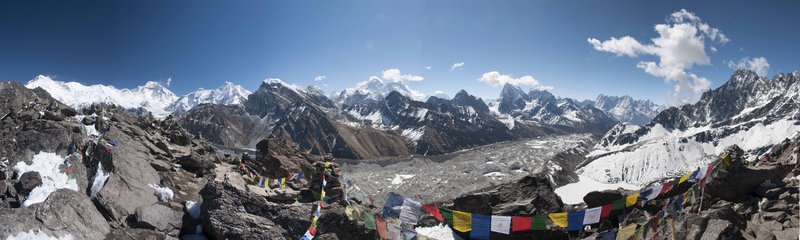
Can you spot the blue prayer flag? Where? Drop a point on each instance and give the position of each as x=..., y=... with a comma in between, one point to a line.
x=481, y=226
x=575, y=221
x=392, y=205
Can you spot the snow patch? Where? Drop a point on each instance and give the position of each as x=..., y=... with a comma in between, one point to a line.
x=398, y=178
x=164, y=194
x=413, y=134
x=99, y=180
x=573, y=193
x=37, y=235
x=48, y=165
x=439, y=232
x=193, y=208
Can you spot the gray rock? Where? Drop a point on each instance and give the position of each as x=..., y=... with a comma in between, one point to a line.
x=161, y=165
x=53, y=116
x=772, y=225
x=158, y=217
x=721, y=229
x=64, y=212
x=787, y=234
x=27, y=182
x=128, y=188
x=89, y=120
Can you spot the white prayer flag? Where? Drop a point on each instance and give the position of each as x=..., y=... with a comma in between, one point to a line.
x=501, y=224
x=592, y=215
x=655, y=191
x=409, y=212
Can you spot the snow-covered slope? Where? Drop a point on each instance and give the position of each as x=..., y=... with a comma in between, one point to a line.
x=750, y=111
x=227, y=94
x=627, y=109
x=376, y=89
x=152, y=96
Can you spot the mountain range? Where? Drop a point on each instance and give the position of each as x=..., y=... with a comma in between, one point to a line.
x=751, y=111
x=377, y=118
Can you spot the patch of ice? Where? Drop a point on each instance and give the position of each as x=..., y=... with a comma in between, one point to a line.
x=193, y=208
x=398, y=178
x=573, y=193
x=163, y=194
x=48, y=166
x=99, y=180
x=37, y=235
x=439, y=232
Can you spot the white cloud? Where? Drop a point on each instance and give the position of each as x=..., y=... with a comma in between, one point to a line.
x=394, y=74
x=169, y=81
x=319, y=78
x=457, y=66
x=758, y=65
x=428, y=67
x=495, y=79
x=680, y=45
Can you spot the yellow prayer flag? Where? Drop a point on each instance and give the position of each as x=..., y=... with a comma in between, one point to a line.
x=631, y=199
x=683, y=179
x=322, y=194
x=283, y=182
x=560, y=219
x=462, y=221
x=626, y=232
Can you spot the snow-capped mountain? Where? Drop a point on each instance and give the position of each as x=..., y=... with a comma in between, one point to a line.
x=376, y=89
x=152, y=96
x=540, y=106
x=626, y=109
x=750, y=111
x=227, y=94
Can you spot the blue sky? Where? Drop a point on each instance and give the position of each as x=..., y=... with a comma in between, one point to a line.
x=204, y=43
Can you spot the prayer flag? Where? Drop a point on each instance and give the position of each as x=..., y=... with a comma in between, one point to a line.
x=462, y=221
x=447, y=214
x=610, y=235
x=575, y=221
x=685, y=176
x=409, y=212
x=626, y=232
x=283, y=182
x=433, y=211
x=618, y=204
x=539, y=222
x=654, y=192
x=667, y=187
x=392, y=205
x=560, y=219
x=369, y=220
x=394, y=230
x=519, y=224
x=481, y=226
x=408, y=234
x=592, y=215
x=307, y=236
x=694, y=174
x=381, y=227
x=501, y=224
x=606, y=211
x=631, y=199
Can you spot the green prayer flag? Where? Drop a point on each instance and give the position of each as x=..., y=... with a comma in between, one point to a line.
x=369, y=220
x=539, y=222
x=447, y=214
x=618, y=204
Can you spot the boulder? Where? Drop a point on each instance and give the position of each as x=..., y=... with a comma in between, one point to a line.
x=721, y=229
x=53, y=116
x=229, y=212
x=198, y=163
x=334, y=220
x=27, y=182
x=596, y=198
x=158, y=217
x=64, y=212
x=527, y=196
x=89, y=120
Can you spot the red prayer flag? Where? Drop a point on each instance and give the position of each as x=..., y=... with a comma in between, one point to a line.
x=519, y=224
x=312, y=230
x=605, y=211
x=381, y=226
x=433, y=210
x=666, y=188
